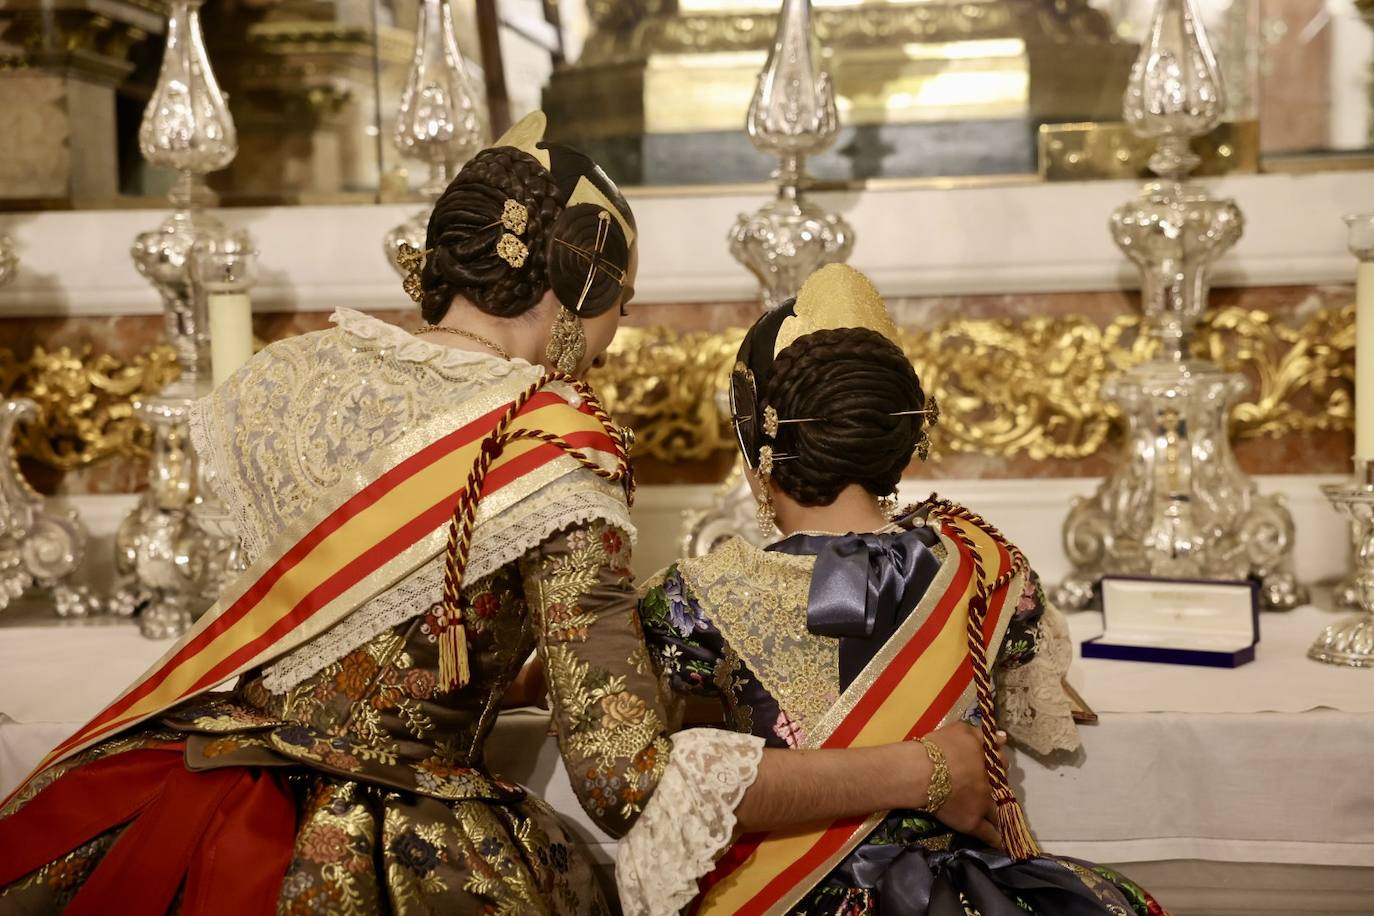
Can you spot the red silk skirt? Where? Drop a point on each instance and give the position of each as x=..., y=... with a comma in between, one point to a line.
x=221, y=837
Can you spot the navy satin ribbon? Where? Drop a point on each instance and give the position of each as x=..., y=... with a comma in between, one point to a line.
x=863, y=587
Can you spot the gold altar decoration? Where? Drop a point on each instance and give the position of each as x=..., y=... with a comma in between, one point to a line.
x=1084, y=151
x=84, y=402
x=1006, y=387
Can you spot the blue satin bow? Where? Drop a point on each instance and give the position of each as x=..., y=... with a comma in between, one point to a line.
x=863, y=587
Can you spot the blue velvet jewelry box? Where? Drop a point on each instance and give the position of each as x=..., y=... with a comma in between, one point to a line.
x=1177, y=622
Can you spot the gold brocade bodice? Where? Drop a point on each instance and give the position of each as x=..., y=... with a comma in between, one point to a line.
x=376, y=715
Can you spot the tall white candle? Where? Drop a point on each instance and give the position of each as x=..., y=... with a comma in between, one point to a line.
x=1361, y=242
x=231, y=333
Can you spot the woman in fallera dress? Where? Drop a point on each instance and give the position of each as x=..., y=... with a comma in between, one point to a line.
x=421, y=512
x=864, y=623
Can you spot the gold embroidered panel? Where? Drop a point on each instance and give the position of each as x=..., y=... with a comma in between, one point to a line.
x=1007, y=387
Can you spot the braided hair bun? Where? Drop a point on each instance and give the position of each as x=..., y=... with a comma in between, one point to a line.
x=852, y=380
x=579, y=250
x=466, y=224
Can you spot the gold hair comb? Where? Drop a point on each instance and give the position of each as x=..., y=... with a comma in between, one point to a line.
x=411, y=260
x=515, y=218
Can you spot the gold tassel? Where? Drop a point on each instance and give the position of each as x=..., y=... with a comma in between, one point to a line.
x=454, y=672
x=1015, y=830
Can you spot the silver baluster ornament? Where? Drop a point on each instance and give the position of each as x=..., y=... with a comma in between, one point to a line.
x=1178, y=505
x=41, y=546
x=1351, y=642
x=440, y=120
x=792, y=115
x=165, y=560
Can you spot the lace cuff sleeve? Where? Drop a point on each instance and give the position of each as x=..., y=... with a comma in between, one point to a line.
x=687, y=822
x=1031, y=702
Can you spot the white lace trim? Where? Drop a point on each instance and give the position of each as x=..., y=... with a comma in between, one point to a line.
x=688, y=821
x=1031, y=703
x=501, y=539
x=410, y=348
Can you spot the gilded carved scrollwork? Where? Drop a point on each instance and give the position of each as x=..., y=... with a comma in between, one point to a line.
x=1006, y=387
x=84, y=410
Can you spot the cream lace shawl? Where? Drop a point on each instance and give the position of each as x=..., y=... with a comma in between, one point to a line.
x=310, y=415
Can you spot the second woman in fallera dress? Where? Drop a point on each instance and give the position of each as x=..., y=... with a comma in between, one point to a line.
x=864, y=622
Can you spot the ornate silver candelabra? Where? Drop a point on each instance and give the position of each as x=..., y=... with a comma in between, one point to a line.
x=1178, y=505
x=1351, y=642
x=40, y=546
x=440, y=120
x=170, y=566
x=792, y=115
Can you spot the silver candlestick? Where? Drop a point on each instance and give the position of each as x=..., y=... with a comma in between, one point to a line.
x=1179, y=505
x=1351, y=642
x=167, y=563
x=1360, y=229
x=792, y=115
x=440, y=120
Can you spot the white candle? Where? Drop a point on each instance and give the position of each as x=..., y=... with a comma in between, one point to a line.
x=1360, y=240
x=231, y=333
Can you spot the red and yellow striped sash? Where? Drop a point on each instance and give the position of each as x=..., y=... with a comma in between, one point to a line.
x=911, y=687
x=316, y=574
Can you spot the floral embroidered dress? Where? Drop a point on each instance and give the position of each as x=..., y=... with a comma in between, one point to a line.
x=755, y=630
x=339, y=777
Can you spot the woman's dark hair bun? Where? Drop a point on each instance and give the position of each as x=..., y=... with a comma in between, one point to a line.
x=853, y=379
x=572, y=243
x=466, y=224
x=465, y=227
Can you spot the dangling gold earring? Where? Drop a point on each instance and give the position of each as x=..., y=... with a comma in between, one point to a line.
x=888, y=505
x=764, y=512
x=567, y=343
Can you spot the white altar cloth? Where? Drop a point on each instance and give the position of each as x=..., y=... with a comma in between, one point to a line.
x=1264, y=764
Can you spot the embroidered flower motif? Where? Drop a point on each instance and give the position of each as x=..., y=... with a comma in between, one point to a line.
x=613, y=542
x=646, y=759
x=486, y=605
x=295, y=735
x=684, y=614
x=622, y=708
x=1028, y=596
x=419, y=683
x=356, y=671
x=490, y=847
x=414, y=852
x=341, y=761
x=324, y=843
x=788, y=730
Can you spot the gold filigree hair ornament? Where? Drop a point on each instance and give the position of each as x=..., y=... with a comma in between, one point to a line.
x=515, y=219
x=412, y=261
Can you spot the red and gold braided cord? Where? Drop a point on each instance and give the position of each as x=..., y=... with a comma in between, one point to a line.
x=1011, y=818
x=454, y=667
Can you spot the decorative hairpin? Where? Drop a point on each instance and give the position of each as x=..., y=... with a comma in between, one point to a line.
x=515, y=218
x=931, y=412
x=412, y=261
x=594, y=258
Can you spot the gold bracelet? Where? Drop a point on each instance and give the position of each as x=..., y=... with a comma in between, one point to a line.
x=941, y=786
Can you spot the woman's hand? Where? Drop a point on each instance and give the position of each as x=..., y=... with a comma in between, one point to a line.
x=969, y=808
x=529, y=687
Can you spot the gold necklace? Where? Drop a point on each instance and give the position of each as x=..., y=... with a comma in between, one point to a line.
x=475, y=338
